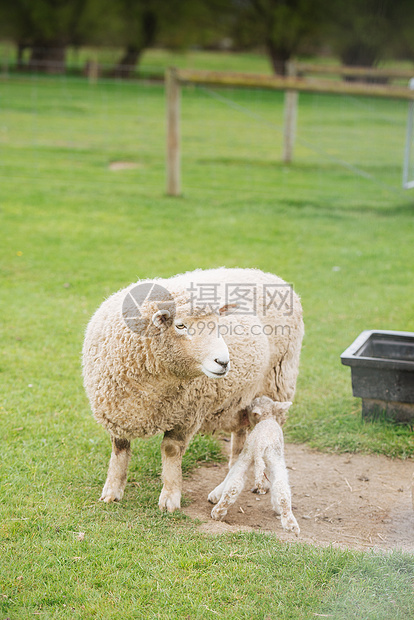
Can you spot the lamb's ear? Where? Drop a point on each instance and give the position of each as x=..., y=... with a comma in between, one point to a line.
x=160, y=318
x=227, y=309
x=283, y=406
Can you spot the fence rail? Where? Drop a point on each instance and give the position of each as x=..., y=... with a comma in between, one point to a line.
x=304, y=68
x=246, y=80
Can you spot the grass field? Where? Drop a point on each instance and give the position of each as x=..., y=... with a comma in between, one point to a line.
x=73, y=231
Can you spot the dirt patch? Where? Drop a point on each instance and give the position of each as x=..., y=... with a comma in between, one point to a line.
x=347, y=500
x=116, y=166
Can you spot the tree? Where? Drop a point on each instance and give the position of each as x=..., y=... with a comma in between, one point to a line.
x=283, y=26
x=401, y=33
x=138, y=23
x=47, y=27
x=175, y=23
x=359, y=31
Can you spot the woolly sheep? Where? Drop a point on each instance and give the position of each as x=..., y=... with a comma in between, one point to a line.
x=264, y=450
x=198, y=353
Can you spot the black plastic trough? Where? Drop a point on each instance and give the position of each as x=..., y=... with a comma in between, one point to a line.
x=382, y=371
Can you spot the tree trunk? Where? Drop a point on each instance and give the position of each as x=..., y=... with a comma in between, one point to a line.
x=360, y=55
x=128, y=62
x=278, y=57
x=48, y=57
x=146, y=38
x=20, y=53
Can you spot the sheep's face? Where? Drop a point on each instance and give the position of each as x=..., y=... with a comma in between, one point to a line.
x=192, y=346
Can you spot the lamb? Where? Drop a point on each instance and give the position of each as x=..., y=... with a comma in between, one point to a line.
x=264, y=450
x=185, y=355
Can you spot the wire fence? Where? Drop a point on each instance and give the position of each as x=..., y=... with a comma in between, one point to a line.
x=74, y=130
x=359, y=137
x=67, y=129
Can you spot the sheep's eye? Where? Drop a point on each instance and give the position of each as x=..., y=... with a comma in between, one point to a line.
x=181, y=326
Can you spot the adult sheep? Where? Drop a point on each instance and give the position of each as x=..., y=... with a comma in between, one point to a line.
x=188, y=354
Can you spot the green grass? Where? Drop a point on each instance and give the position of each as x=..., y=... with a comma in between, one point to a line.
x=72, y=232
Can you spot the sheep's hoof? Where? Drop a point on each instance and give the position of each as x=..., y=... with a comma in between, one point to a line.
x=213, y=497
x=261, y=487
x=108, y=499
x=111, y=494
x=259, y=490
x=170, y=500
x=290, y=524
x=218, y=513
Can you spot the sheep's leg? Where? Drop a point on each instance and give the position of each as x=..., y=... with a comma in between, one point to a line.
x=280, y=493
x=232, y=487
x=261, y=484
x=173, y=447
x=261, y=487
x=238, y=439
x=286, y=372
x=117, y=471
x=236, y=445
x=215, y=494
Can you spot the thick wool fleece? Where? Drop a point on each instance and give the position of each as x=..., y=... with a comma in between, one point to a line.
x=138, y=386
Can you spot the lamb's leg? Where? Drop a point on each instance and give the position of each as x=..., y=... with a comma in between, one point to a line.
x=117, y=471
x=216, y=493
x=280, y=493
x=232, y=487
x=173, y=447
x=238, y=439
x=236, y=445
x=261, y=483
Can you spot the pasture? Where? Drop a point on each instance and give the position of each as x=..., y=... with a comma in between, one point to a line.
x=335, y=224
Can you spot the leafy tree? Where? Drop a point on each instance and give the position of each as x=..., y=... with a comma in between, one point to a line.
x=359, y=31
x=401, y=32
x=136, y=28
x=199, y=23
x=174, y=23
x=47, y=27
x=282, y=26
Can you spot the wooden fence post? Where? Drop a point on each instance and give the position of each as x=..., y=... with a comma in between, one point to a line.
x=407, y=184
x=172, y=86
x=290, y=115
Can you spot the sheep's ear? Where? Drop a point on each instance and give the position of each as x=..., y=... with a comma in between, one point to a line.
x=160, y=318
x=227, y=309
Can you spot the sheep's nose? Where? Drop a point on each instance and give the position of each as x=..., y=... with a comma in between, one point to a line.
x=223, y=363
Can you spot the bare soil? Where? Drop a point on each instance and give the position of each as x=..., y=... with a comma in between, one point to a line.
x=347, y=500
x=116, y=166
